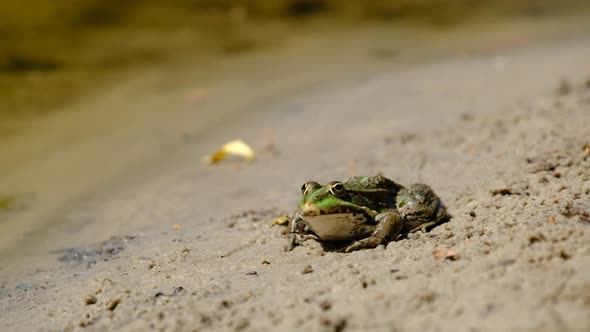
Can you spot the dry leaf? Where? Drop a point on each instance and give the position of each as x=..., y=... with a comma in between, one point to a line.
x=552, y=219
x=236, y=147
x=445, y=254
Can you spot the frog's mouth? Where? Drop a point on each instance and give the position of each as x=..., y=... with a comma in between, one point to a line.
x=312, y=211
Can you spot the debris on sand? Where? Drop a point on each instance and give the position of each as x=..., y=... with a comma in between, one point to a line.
x=89, y=299
x=92, y=253
x=307, y=269
x=449, y=254
x=112, y=305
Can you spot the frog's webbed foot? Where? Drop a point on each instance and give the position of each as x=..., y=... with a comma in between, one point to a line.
x=389, y=224
x=366, y=243
x=423, y=227
x=296, y=240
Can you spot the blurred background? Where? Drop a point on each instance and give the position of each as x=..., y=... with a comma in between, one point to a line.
x=54, y=51
x=94, y=91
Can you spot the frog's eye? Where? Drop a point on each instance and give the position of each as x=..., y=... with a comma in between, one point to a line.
x=308, y=187
x=336, y=188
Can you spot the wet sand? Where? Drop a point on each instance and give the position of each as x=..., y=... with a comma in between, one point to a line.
x=484, y=125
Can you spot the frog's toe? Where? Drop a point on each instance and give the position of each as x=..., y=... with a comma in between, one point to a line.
x=366, y=243
x=292, y=243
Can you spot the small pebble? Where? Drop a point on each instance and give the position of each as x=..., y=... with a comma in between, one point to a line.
x=112, y=305
x=89, y=299
x=306, y=270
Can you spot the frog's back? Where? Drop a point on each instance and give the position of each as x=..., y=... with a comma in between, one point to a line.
x=360, y=183
x=375, y=192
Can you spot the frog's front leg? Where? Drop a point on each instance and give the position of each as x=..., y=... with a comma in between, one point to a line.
x=389, y=225
x=297, y=228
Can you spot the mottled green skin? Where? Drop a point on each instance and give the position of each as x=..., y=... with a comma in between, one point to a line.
x=372, y=210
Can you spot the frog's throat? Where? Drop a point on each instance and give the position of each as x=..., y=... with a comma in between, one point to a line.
x=339, y=226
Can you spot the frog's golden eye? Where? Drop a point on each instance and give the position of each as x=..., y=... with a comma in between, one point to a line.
x=336, y=188
x=309, y=187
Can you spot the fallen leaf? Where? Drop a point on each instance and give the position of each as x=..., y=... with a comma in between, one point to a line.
x=552, y=219
x=445, y=254
x=236, y=147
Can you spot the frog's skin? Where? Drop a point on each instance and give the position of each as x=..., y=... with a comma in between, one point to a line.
x=371, y=210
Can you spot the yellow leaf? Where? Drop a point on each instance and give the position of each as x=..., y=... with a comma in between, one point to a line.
x=236, y=147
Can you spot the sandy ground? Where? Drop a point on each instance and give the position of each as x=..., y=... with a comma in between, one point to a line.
x=499, y=138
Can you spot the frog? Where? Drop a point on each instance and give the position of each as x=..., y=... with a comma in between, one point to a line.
x=367, y=210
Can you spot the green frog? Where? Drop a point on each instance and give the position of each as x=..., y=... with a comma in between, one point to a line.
x=369, y=210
